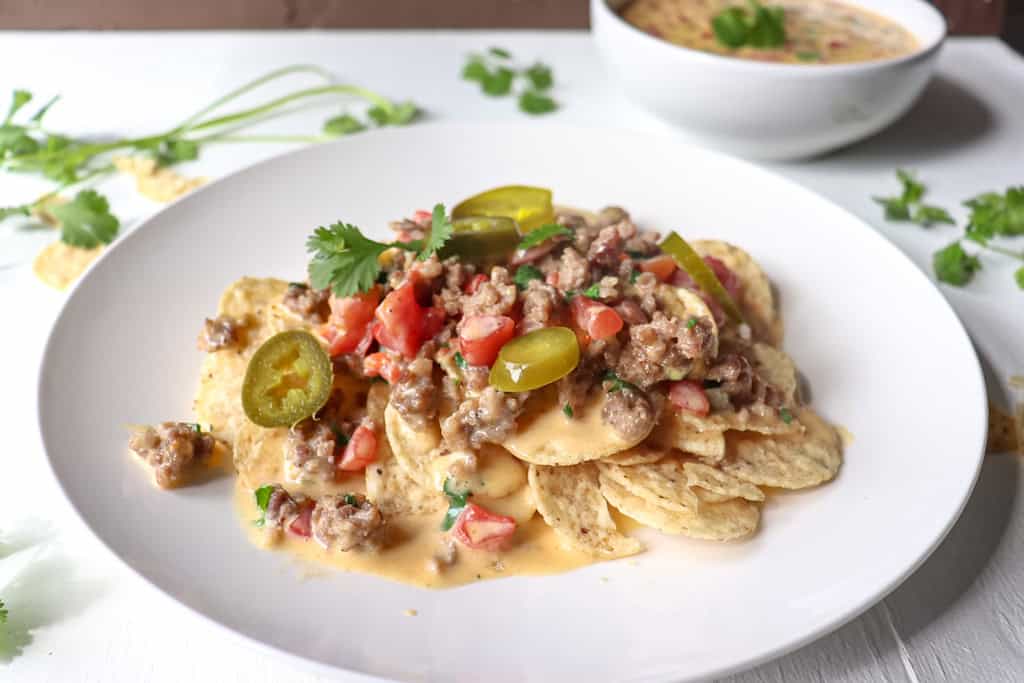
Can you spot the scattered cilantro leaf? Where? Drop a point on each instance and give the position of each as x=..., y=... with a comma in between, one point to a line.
x=460, y=361
x=997, y=214
x=86, y=220
x=456, y=503
x=955, y=266
x=912, y=189
x=567, y=409
x=395, y=115
x=340, y=437
x=760, y=26
x=633, y=276
x=895, y=208
x=350, y=499
x=19, y=98
x=1018, y=277
x=691, y=323
x=617, y=383
x=441, y=230
x=262, y=495
x=344, y=124
x=343, y=259
x=524, y=274
x=498, y=82
x=730, y=27
x=927, y=215
x=533, y=102
x=786, y=416
x=543, y=234
x=593, y=291
x=499, y=52
x=475, y=70
x=540, y=76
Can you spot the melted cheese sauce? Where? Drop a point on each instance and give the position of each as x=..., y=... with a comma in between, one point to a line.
x=414, y=543
x=817, y=31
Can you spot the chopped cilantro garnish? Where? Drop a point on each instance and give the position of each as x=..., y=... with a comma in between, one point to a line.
x=567, y=409
x=526, y=273
x=540, y=76
x=786, y=416
x=691, y=323
x=760, y=27
x=908, y=206
x=593, y=291
x=1018, y=276
x=543, y=234
x=298, y=285
x=995, y=214
x=350, y=499
x=340, y=437
x=955, y=266
x=460, y=361
x=456, y=503
x=617, y=383
x=533, y=102
x=926, y=215
x=500, y=52
x=497, y=76
x=633, y=276
x=262, y=500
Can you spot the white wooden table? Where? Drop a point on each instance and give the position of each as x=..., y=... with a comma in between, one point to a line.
x=82, y=617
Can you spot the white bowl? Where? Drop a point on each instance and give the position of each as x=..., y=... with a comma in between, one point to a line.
x=769, y=110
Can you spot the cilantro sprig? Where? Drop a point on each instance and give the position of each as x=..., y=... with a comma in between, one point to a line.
x=992, y=215
x=262, y=495
x=27, y=146
x=497, y=76
x=524, y=274
x=543, y=234
x=348, y=262
x=457, y=501
x=759, y=26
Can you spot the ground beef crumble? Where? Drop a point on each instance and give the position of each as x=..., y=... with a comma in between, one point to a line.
x=630, y=412
x=489, y=417
x=171, y=449
x=308, y=303
x=497, y=296
x=222, y=332
x=347, y=522
x=310, y=450
x=415, y=394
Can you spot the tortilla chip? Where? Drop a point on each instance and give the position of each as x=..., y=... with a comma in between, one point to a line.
x=637, y=455
x=389, y=485
x=715, y=521
x=545, y=436
x=570, y=501
x=672, y=432
x=756, y=299
x=723, y=486
x=663, y=484
x=778, y=369
x=258, y=454
x=787, y=461
x=413, y=449
x=60, y=264
x=741, y=420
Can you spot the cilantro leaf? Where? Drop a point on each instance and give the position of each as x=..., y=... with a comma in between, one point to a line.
x=86, y=220
x=768, y=28
x=344, y=124
x=460, y=361
x=927, y=215
x=633, y=276
x=593, y=291
x=500, y=52
x=997, y=214
x=786, y=416
x=498, y=82
x=475, y=70
x=617, y=383
x=38, y=116
x=567, y=409
x=912, y=189
x=19, y=98
x=543, y=234
x=895, y=208
x=524, y=274
x=691, y=323
x=1018, y=277
x=262, y=495
x=350, y=499
x=457, y=501
x=533, y=102
x=955, y=266
x=396, y=115
x=540, y=76
x=441, y=230
x=730, y=27
x=343, y=259
x=15, y=141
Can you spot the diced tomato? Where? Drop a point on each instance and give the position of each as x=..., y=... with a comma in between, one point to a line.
x=482, y=336
x=381, y=364
x=689, y=396
x=350, y=318
x=422, y=217
x=302, y=523
x=360, y=451
x=474, y=283
x=403, y=323
x=662, y=266
x=596, y=319
x=552, y=278
x=480, y=529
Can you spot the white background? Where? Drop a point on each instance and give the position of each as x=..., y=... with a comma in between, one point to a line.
x=81, y=617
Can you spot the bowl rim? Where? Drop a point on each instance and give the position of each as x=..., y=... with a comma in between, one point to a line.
x=924, y=52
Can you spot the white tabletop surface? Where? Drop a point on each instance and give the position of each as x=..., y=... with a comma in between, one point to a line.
x=77, y=615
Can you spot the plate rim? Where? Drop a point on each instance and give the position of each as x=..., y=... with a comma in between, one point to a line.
x=824, y=627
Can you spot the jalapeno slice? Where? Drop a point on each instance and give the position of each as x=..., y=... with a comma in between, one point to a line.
x=288, y=379
x=529, y=207
x=536, y=359
x=482, y=240
x=690, y=261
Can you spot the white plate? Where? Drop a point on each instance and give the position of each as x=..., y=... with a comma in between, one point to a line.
x=884, y=354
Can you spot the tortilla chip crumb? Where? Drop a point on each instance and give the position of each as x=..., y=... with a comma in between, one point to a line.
x=60, y=264
x=156, y=182
x=1002, y=431
x=410, y=613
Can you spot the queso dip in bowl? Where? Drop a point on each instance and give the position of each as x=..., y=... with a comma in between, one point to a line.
x=784, y=79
